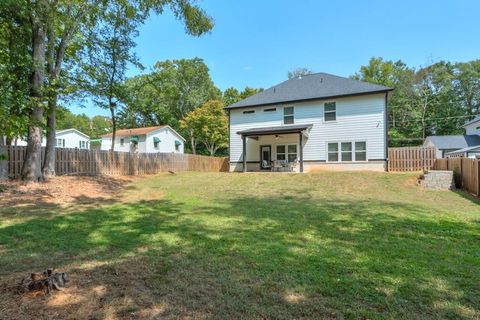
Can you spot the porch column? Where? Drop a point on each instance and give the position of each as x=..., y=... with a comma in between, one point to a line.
x=300, y=135
x=244, y=140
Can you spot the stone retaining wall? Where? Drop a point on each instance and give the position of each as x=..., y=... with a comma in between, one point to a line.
x=438, y=180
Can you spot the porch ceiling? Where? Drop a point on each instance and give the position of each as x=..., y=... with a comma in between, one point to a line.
x=296, y=128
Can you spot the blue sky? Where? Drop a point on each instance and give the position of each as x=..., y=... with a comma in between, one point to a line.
x=255, y=43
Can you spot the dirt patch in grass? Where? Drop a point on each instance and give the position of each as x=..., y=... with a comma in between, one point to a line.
x=63, y=190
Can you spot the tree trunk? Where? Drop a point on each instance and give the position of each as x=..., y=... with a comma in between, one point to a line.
x=32, y=165
x=114, y=127
x=192, y=141
x=49, y=161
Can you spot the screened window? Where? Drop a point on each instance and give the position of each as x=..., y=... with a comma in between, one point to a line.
x=347, y=151
x=361, y=151
x=288, y=115
x=333, y=151
x=287, y=152
x=281, y=153
x=330, y=111
x=292, y=153
x=122, y=142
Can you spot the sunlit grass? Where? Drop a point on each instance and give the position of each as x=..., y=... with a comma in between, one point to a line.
x=327, y=245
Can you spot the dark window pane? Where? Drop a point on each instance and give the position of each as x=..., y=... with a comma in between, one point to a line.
x=360, y=146
x=292, y=148
x=280, y=149
x=288, y=111
x=280, y=156
x=346, y=146
x=292, y=157
x=330, y=106
x=333, y=147
x=330, y=116
x=288, y=120
x=361, y=156
x=333, y=157
x=346, y=156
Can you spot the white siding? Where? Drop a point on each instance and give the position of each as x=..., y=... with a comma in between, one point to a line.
x=145, y=142
x=472, y=128
x=359, y=118
x=72, y=139
x=167, y=144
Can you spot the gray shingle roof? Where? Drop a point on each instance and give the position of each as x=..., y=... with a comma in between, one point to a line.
x=309, y=87
x=454, y=142
x=277, y=129
x=477, y=118
x=464, y=150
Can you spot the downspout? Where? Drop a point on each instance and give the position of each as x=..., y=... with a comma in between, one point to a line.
x=386, y=131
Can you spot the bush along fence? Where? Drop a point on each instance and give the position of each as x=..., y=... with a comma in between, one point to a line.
x=466, y=172
x=95, y=162
x=411, y=158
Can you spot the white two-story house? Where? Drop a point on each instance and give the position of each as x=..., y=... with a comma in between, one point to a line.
x=145, y=140
x=314, y=122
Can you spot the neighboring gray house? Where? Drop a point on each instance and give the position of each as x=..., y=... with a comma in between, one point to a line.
x=466, y=145
x=311, y=122
x=446, y=144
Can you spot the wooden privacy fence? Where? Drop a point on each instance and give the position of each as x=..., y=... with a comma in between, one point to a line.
x=411, y=158
x=467, y=170
x=93, y=162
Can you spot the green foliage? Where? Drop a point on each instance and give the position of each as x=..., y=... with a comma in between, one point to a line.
x=298, y=73
x=433, y=100
x=94, y=127
x=3, y=157
x=232, y=95
x=168, y=94
x=209, y=125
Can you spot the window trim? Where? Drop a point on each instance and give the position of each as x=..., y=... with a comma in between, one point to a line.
x=290, y=115
x=325, y=112
x=339, y=151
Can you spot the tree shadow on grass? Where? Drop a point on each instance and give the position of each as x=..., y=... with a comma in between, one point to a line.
x=251, y=258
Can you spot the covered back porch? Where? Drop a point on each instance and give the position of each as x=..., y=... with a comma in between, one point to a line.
x=274, y=148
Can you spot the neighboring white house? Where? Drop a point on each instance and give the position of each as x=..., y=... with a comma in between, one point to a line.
x=312, y=122
x=67, y=138
x=145, y=140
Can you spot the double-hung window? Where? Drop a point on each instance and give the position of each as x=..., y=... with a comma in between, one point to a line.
x=82, y=144
x=347, y=151
x=288, y=115
x=287, y=152
x=60, y=143
x=330, y=111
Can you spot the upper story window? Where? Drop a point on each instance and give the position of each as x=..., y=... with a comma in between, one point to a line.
x=330, y=111
x=82, y=144
x=248, y=111
x=270, y=110
x=288, y=115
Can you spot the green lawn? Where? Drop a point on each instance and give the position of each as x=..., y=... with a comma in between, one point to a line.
x=254, y=246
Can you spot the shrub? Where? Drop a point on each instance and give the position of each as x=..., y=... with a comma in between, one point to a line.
x=3, y=156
